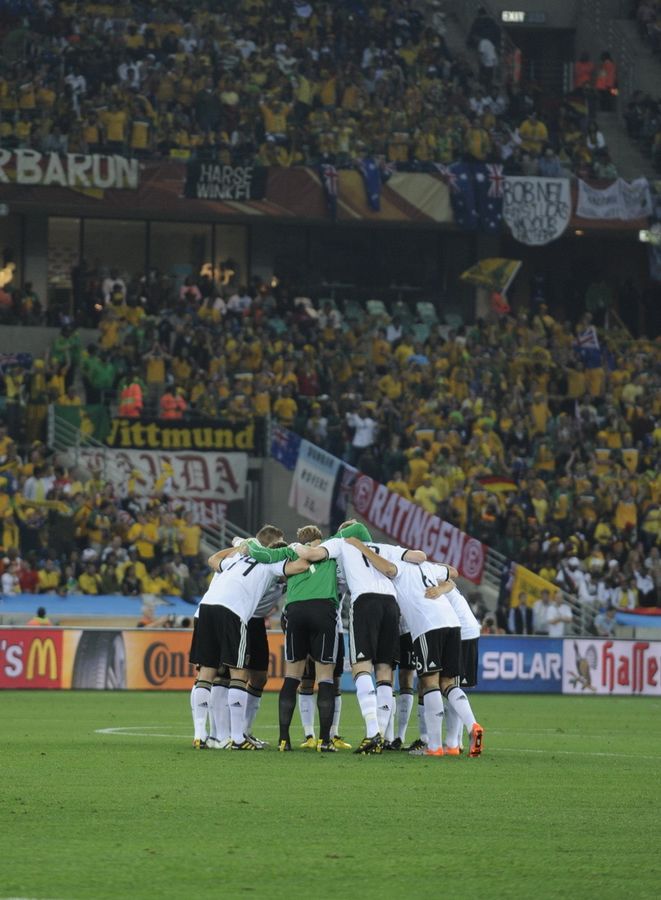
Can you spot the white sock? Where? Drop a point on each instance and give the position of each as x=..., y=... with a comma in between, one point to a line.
x=453, y=726
x=461, y=705
x=252, y=708
x=384, y=706
x=236, y=698
x=404, y=707
x=335, y=727
x=306, y=707
x=201, y=699
x=422, y=724
x=433, y=708
x=221, y=711
x=390, y=727
x=366, y=696
x=192, y=695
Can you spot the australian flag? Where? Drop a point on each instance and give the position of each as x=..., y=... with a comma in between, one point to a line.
x=330, y=182
x=371, y=173
x=285, y=446
x=460, y=178
x=588, y=347
x=489, y=181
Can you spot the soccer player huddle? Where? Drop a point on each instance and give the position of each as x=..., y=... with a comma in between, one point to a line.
x=404, y=611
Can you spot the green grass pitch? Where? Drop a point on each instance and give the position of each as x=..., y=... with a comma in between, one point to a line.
x=563, y=803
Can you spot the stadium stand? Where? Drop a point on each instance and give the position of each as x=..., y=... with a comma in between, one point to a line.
x=279, y=84
x=537, y=435
x=540, y=439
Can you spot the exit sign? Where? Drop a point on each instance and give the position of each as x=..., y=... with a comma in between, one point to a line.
x=522, y=17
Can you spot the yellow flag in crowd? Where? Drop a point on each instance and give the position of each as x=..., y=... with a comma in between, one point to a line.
x=495, y=274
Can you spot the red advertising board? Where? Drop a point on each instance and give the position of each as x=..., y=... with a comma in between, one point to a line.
x=31, y=658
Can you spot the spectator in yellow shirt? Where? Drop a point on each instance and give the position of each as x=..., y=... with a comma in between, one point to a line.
x=90, y=580
x=190, y=536
x=49, y=578
x=534, y=134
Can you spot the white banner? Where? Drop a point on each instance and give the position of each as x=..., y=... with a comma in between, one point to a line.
x=537, y=210
x=620, y=200
x=594, y=666
x=312, y=486
x=219, y=477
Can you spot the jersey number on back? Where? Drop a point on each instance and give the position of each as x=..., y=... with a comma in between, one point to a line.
x=249, y=563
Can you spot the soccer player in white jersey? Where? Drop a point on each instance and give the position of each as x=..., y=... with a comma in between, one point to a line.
x=470, y=633
x=373, y=632
x=222, y=635
x=433, y=625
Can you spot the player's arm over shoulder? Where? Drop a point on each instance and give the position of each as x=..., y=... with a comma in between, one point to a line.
x=385, y=566
x=414, y=556
x=296, y=566
x=216, y=558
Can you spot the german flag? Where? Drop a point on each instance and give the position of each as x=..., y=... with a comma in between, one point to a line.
x=497, y=484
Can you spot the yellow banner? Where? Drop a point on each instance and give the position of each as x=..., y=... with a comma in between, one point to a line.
x=532, y=585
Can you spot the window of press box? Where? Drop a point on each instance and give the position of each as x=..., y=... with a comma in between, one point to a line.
x=115, y=244
x=179, y=249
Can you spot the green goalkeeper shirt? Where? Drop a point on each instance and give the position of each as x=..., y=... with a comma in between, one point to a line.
x=320, y=580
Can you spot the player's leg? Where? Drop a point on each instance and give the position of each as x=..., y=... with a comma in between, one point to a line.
x=287, y=701
x=297, y=648
x=306, y=708
x=234, y=654
x=322, y=616
x=338, y=672
x=201, y=703
x=384, y=696
x=453, y=727
x=429, y=652
x=220, y=738
x=406, y=692
x=433, y=707
x=387, y=655
x=456, y=697
x=257, y=673
x=404, y=703
x=389, y=735
x=205, y=648
x=362, y=644
x=421, y=742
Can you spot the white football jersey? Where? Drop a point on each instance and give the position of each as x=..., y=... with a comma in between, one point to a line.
x=241, y=584
x=271, y=598
x=411, y=581
x=361, y=576
x=470, y=627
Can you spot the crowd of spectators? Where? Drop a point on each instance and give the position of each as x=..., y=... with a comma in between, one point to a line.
x=279, y=82
x=67, y=533
x=537, y=436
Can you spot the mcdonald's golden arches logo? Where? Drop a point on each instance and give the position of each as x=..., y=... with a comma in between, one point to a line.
x=43, y=657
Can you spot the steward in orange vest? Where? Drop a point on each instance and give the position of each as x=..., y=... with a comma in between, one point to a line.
x=130, y=400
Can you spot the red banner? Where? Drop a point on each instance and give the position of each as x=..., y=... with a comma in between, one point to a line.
x=412, y=526
x=30, y=658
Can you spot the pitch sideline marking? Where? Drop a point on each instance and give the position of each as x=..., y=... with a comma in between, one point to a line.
x=129, y=731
